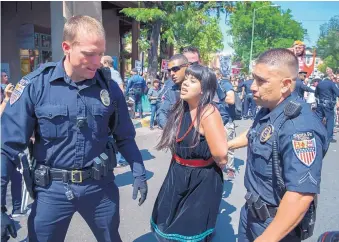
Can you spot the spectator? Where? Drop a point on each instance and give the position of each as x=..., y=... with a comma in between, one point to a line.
x=107, y=62
x=154, y=98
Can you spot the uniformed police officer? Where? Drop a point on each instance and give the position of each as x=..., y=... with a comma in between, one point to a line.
x=247, y=96
x=72, y=109
x=327, y=93
x=300, y=87
x=284, y=135
x=137, y=86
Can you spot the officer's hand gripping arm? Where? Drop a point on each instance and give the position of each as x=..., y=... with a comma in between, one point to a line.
x=239, y=142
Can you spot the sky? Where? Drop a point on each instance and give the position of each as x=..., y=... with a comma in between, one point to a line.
x=310, y=14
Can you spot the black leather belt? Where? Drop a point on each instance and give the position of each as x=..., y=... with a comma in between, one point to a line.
x=74, y=176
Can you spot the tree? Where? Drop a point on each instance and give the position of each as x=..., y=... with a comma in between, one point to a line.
x=328, y=44
x=273, y=28
x=181, y=24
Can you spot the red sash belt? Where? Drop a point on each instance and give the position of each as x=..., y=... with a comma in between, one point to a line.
x=193, y=162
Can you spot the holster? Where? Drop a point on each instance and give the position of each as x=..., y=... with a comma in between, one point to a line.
x=27, y=174
x=305, y=228
x=257, y=207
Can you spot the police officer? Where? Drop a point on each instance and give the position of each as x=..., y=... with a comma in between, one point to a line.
x=72, y=109
x=280, y=139
x=300, y=87
x=176, y=68
x=327, y=93
x=137, y=86
x=247, y=96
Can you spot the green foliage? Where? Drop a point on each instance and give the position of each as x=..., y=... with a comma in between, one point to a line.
x=273, y=28
x=144, y=14
x=328, y=44
x=184, y=23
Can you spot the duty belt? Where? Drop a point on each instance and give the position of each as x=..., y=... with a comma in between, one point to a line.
x=74, y=176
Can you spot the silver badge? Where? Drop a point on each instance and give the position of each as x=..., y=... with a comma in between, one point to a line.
x=104, y=96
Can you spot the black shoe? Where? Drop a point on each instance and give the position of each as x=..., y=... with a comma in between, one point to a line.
x=333, y=140
x=151, y=128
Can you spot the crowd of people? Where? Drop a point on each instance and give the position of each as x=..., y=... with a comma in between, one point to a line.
x=78, y=140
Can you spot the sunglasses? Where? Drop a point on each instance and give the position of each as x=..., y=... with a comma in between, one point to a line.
x=176, y=68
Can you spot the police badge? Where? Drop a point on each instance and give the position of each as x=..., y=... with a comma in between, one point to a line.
x=266, y=133
x=104, y=96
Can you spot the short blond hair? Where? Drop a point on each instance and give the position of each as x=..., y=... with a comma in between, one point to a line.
x=108, y=59
x=82, y=22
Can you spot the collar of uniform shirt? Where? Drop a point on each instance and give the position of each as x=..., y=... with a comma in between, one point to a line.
x=274, y=114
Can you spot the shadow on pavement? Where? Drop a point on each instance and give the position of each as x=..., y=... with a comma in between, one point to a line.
x=127, y=178
x=224, y=229
x=149, y=237
x=146, y=155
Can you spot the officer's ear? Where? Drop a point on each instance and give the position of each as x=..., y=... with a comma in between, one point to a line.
x=66, y=47
x=286, y=85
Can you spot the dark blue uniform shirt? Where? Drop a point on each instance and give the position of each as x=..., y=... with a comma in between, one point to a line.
x=301, y=88
x=136, y=82
x=50, y=105
x=327, y=90
x=302, y=144
x=247, y=85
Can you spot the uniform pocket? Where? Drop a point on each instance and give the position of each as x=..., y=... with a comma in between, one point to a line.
x=101, y=116
x=53, y=121
x=262, y=159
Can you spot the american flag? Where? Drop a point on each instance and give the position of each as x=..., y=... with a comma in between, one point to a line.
x=305, y=150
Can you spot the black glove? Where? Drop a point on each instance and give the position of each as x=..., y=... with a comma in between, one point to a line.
x=7, y=226
x=140, y=183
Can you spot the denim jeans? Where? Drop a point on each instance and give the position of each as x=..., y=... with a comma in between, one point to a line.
x=154, y=108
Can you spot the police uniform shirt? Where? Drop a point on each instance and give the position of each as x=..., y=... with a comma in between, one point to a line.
x=247, y=85
x=302, y=144
x=48, y=102
x=327, y=90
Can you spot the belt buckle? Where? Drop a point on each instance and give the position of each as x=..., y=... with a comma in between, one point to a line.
x=73, y=174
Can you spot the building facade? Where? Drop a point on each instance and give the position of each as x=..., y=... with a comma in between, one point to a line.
x=31, y=32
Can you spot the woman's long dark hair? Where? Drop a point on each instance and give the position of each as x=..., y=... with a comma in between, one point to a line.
x=208, y=83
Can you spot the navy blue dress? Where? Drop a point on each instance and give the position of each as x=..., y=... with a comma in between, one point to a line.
x=187, y=205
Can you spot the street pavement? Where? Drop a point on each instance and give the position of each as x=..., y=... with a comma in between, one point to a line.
x=134, y=226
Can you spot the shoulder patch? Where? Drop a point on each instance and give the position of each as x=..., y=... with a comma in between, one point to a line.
x=19, y=89
x=304, y=146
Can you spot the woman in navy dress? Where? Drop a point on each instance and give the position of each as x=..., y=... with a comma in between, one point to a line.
x=188, y=202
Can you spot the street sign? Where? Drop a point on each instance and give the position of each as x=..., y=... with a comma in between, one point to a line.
x=138, y=65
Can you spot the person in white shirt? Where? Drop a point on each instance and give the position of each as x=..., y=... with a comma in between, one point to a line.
x=311, y=100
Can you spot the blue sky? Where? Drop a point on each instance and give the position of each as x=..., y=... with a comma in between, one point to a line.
x=310, y=14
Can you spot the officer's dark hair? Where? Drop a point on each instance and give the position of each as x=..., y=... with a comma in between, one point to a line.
x=208, y=83
x=190, y=49
x=182, y=58
x=84, y=23
x=280, y=57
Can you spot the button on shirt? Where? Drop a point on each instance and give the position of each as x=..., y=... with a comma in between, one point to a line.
x=52, y=105
x=301, y=166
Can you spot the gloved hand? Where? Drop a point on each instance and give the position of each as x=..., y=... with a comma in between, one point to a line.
x=7, y=226
x=140, y=183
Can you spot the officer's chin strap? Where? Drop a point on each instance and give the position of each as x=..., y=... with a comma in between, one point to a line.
x=291, y=110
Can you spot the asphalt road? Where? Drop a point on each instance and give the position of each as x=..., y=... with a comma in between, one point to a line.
x=134, y=226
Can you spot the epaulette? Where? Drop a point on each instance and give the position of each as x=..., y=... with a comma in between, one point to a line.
x=38, y=71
